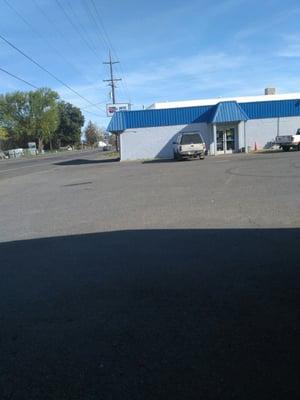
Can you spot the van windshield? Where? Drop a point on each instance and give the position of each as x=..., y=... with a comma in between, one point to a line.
x=191, y=138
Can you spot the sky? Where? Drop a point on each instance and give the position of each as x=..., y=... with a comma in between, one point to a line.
x=168, y=50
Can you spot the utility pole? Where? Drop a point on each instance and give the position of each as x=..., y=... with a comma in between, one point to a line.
x=112, y=81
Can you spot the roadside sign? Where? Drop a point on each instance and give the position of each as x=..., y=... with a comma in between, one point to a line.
x=112, y=108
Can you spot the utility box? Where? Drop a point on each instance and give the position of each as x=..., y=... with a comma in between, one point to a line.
x=270, y=91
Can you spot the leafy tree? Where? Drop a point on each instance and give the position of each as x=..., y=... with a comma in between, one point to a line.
x=71, y=120
x=43, y=115
x=38, y=116
x=14, y=117
x=3, y=135
x=91, y=134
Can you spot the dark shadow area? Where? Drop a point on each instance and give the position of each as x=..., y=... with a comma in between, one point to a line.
x=78, y=184
x=169, y=160
x=81, y=161
x=159, y=161
x=267, y=151
x=157, y=314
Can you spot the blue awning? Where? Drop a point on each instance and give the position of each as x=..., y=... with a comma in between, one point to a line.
x=227, y=111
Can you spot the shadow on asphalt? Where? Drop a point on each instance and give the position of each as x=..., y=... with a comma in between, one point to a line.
x=81, y=161
x=157, y=314
x=159, y=161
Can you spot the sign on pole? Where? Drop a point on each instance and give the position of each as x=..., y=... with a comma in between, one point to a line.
x=112, y=108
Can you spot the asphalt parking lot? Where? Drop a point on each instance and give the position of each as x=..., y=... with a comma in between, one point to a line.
x=150, y=280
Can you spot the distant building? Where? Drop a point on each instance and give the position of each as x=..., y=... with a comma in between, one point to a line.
x=227, y=125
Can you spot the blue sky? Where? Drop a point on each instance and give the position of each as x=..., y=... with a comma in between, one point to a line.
x=170, y=50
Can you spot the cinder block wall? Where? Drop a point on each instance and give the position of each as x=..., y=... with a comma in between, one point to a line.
x=263, y=131
x=157, y=142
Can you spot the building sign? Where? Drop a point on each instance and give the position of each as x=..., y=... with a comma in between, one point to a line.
x=112, y=108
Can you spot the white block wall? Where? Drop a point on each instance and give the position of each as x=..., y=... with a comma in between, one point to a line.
x=157, y=142
x=263, y=131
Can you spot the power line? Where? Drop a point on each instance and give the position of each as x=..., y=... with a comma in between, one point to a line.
x=110, y=46
x=93, y=20
x=102, y=25
x=35, y=87
x=39, y=34
x=103, y=37
x=53, y=24
x=45, y=70
x=57, y=28
x=18, y=78
x=92, y=113
x=90, y=12
x=95, y=104
x=102, y=34
x=75, y=27
x=84, y=31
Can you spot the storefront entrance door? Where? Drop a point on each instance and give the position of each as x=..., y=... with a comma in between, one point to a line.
x=225, y=140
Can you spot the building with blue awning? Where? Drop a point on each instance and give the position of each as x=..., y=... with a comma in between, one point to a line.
x=227, y=125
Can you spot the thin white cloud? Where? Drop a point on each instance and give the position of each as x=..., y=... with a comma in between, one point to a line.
x=179, y=77
x=267, y=24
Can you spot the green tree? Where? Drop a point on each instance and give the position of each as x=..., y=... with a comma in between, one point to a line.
x=14, y=117
x=43, y=116
x=71, y=120
x=3, y=136
x=91, y=134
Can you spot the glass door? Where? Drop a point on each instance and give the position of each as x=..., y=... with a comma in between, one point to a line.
x=230, y=140
x=220, y=141
x=225, y=140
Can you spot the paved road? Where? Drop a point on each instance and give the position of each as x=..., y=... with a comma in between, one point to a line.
x=151, y=280
x=88, y=194
x=19, y=167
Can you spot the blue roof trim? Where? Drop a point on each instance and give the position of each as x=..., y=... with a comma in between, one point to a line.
x=150, y=118
x=118, y=122
x=228, y=111
x=220, y=113
x=272, y=109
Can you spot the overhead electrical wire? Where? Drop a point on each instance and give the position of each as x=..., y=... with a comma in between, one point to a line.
x=75, y=21
x=75, y=27
x=104, y=38
x=82, y=27
x=35, y=87
x=95, y=104
x=39, y=34
x=61, y=33
x=18, y=78
x=54, y=24
x=92, y=19
x=99, y=18
x=45, y=70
